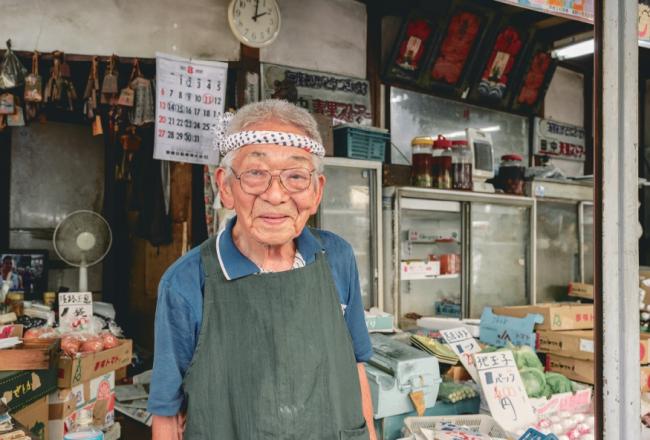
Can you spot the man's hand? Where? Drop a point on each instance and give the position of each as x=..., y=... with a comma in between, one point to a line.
x=366, y=401
x=168, y=427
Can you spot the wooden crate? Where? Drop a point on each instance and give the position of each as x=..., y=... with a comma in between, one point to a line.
x=30, y=355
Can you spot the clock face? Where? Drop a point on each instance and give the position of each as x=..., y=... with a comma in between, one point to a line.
x=255, y=23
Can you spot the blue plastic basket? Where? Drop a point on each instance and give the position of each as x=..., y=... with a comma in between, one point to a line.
x=358, y=142
x=447, y=309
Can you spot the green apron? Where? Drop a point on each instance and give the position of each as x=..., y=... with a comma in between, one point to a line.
x=274, y=359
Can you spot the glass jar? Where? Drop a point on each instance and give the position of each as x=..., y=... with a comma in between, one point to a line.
x=442, y=163
x=461, y=165
x=511, y=174
x=422, y=170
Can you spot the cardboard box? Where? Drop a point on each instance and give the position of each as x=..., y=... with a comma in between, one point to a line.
x=557, y=316
x=645, y=379
x=30, y=355
x=103, y=411
x=64, y=402
x=34, y=417
x=580, y=290
x=73, y=371
x=22, y=388
x=579, y=344
x=579, y=370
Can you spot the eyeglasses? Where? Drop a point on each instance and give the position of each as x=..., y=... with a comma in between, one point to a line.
x=256, y=182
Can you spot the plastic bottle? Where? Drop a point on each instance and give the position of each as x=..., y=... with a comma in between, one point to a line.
x=85, y=429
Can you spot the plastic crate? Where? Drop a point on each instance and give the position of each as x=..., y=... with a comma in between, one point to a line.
x=447, y=309
x=481, y=423
x=359, y=142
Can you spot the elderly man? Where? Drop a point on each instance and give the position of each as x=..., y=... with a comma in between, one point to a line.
x=260, y=331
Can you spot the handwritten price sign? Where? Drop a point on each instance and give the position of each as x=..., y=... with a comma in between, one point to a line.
x=75, y=311
x=465, y=346
x=503, y=390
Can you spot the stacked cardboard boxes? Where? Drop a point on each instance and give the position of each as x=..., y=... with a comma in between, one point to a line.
x=565, y=335
x=86, y=382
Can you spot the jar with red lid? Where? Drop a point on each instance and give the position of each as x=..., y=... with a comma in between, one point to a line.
x=512, y=173
x=442, y=163
x=461, y=165
x=422, y=159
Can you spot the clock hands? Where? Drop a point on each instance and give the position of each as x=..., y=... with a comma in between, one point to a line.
x=259, y=15
x=257, y=5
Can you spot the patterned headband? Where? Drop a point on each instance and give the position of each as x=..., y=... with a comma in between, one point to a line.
x=226, y=144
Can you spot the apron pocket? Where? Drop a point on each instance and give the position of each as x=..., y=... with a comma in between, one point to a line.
x=355, y=434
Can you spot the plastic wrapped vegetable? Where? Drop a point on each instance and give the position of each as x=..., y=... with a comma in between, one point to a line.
x=558, y=383
x=525, y=357
x=454, y=392
x=534, y=381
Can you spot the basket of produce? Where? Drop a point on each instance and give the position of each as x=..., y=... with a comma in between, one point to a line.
x=477, y=424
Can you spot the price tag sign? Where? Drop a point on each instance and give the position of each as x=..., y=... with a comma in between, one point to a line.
x=75, y=311
x=465, y=346
x=503, y=390
x=190, y=98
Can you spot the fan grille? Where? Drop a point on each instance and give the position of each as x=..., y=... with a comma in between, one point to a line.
x=82, y=238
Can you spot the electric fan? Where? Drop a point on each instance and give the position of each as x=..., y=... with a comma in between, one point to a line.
x=82, y=239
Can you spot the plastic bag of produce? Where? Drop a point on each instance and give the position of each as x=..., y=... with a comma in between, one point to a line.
x=558, y=383
x=534, y=381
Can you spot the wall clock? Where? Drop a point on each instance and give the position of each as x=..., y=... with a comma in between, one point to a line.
x=255, y=23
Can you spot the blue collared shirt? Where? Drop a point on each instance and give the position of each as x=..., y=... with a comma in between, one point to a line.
x=179, y=310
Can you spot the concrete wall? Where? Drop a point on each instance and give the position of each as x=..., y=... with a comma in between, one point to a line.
x=321, y=35
x=328, y=36
x=564, y=101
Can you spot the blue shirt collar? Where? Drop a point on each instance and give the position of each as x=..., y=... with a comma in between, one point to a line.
x=236, y=265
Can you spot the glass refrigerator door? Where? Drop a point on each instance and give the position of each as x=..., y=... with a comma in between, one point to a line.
x=429, y=257
x=500, y=254
x=558, y=253
x=587, y=241
x=349, y=209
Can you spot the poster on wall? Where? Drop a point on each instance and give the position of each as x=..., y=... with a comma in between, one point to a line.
x=644, y=20
x=342, y=98
x=580, y=10
x=559, y=140
x=190, y=97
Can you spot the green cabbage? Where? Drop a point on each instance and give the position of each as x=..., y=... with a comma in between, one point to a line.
x=534, y=381
x=558, y=383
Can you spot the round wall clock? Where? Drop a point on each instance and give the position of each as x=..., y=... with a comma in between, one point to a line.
x=255, y=23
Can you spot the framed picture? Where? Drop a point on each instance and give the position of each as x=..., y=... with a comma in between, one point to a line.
x=528, y=94
x=415, y=39
x=505, y=55
x=25, y=270
x=452, y=57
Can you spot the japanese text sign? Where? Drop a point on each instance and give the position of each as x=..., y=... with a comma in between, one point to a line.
x=75, y=311
x=190, y=98
x=465, y=346
x=503, y=390
x=557, y=139
x=342, y=98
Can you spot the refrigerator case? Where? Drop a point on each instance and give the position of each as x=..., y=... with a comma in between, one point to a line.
x=491, y=240
x=351, y=208
x=564, y=236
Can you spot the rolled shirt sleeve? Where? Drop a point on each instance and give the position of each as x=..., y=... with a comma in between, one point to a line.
x=354, y=315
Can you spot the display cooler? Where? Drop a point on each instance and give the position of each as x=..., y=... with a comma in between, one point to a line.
x=351, y=208
x=565, y=227
x=452, y=253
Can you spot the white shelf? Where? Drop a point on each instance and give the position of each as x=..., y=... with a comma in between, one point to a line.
x=429, y=277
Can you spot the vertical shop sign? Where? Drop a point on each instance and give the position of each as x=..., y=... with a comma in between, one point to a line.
x=504, y=390
x=344, y=99
x=190, y=98
x=465, y=346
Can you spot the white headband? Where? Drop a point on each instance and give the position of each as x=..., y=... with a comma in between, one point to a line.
x=226, y=144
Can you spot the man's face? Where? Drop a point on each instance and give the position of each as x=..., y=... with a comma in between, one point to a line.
x=274, y=217
x=7, y=264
